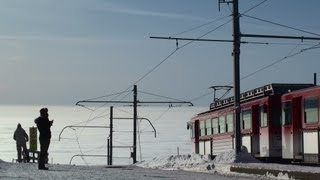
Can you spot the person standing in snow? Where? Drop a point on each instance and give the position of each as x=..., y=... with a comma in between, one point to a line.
x=43, y=125
x=21, y=138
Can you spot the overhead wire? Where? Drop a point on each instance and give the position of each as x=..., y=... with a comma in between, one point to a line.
x=199, y=26
x=282, y=25
x=108, y=95
x=173, y=52
x=253, y=7
x=290, y=54
x=77, y=139
x=161, y=62
x=248, y=10
x=156, y=95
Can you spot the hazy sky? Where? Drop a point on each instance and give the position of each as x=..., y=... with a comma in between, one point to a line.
x=62, y=51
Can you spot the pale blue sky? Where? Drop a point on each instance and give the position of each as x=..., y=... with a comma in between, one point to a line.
x=59, y=52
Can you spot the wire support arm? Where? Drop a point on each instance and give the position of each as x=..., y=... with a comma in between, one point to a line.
x=80, y=127
x=204, y=40
x=279, y=37
x=166, y=102
x=154, y=129
x=189, y=39
x=110, y=102
x=139, y=102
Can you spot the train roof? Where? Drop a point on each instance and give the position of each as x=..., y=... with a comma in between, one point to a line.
x=303, y=91
x=260, y=92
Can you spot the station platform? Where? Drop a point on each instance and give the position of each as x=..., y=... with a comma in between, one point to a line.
x=292, y=171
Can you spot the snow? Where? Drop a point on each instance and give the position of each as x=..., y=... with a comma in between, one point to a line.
x=196, y=162
x=231, y=157
x=220, y=165
x=56, y=171
x=189, y=166
x=191, y=162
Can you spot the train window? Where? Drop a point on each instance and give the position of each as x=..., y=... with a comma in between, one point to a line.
x=286, y=113
x=229, y=123
x=246, y=117
x=215, y=127
x=208, y=126
x=263, y=116
x=191, y=128
x=222, y=124
x=311, y=109
x=202, y=128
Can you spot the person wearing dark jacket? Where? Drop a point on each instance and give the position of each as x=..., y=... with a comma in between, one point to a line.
x=21, y=138
x=43, y=125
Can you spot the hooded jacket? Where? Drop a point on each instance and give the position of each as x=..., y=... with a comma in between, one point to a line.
x=20, y=135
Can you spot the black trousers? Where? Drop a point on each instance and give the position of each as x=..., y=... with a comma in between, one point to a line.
x=44, y=146
x=22, y=146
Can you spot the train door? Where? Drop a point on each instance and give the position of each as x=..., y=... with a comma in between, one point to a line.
x=296, y=128
x=311, y=130
x=287, y=139
x=291, y=129
x=255, y=141
x=196, y=136
x=264, y=131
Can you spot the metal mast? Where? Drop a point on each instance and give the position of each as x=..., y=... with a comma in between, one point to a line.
x=236, y=72
x=135, y=115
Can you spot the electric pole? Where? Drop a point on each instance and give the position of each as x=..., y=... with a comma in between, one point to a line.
x=135, y=115
x=134, y=103
x=236, y=72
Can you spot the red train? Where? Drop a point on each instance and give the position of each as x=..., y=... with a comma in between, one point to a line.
x=278, y=122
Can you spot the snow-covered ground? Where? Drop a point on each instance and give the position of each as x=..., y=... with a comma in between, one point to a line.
x=56, y=172
x=220, y=165
x=190, y=166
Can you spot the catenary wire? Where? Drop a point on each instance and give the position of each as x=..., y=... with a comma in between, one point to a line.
x=156, y=95
x=199, y=26
x=173, y=52
x=282, y=25
x=276, y=62
x=166, y=58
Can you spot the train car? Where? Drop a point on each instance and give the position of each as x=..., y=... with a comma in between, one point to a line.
x=212, y=132
x=300, y=125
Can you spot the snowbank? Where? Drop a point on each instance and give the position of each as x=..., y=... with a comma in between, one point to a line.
x=232, y=157
x=193, y=162
x=197, y=162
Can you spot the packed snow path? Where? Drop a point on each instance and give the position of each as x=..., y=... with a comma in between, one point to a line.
x=30, y=171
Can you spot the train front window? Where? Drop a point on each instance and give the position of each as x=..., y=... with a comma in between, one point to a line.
x=246, y=117
x=286, y=113
x=263, y=116
x=311, y=109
